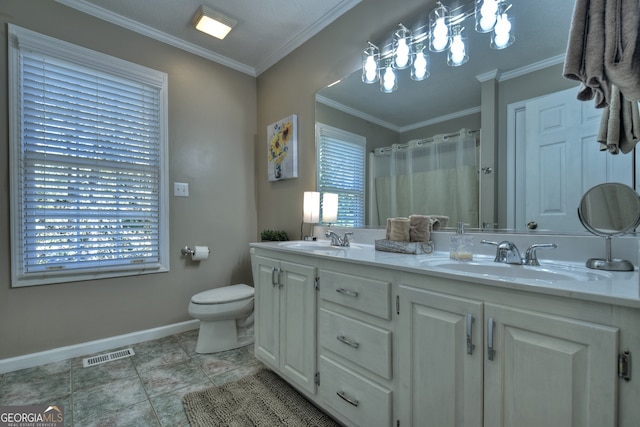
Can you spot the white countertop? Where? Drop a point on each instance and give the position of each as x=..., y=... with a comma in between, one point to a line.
x=618, y=288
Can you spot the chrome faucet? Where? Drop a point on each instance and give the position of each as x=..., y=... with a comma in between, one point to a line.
x=337, y=240
x=508, y=252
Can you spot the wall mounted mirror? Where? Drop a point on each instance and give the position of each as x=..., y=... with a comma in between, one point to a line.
x=452, y=98
x=608, y=210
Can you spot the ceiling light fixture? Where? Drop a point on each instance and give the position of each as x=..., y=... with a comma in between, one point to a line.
x=444, y=32
x=212, y=22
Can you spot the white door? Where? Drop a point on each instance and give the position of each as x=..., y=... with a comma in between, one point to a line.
x=440, y=372
x=563, y=160
x=548, y=371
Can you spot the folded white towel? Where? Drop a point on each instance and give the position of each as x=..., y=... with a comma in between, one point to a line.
x=399, y=229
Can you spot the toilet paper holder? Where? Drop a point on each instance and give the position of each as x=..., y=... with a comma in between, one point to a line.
x=188, y=251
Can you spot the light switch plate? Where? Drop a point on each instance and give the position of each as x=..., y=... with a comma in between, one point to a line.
x=181, y=189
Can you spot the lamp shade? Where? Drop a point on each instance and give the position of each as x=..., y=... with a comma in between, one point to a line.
x=311, y=207
x=329, y=207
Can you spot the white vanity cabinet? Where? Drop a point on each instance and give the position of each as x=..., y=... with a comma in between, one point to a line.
x=285, y=318
x=467, y=362
x=354, y=344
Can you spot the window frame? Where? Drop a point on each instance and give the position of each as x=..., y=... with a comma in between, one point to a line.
x=20, y=38
x=349, y=138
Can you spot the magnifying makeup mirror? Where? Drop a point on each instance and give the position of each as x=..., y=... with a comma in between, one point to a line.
x=607, y=210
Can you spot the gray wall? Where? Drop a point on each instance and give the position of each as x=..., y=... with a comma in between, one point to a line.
x=212, y=134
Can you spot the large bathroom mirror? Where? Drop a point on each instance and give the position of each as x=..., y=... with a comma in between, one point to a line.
x=608, y=210
x=452, y=98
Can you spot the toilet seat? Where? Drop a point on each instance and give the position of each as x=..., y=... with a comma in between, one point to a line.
x=223, y=295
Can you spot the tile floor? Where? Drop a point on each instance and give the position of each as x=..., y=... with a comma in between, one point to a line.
x=143, y=390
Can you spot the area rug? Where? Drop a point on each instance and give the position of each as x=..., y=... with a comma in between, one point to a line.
x=261, y=399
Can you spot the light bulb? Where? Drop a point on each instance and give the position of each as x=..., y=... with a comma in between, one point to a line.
x=489, y=9
x=402, y=53
x=441, y=30
x=370, y=69
x=420, y=66
x=502, y=30
x=457, y=50
x=487, y=22
x=389, y=79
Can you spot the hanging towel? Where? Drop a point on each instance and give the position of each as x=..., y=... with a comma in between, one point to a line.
x=620, y=124
x=584, y=59
x=622, y=47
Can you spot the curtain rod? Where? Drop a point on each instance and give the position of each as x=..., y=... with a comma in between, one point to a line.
x=419, y=142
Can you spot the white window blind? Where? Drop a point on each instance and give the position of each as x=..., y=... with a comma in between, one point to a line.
x=341, y=170
x=87, y=165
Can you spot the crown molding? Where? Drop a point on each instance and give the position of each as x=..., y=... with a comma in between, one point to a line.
x=536, y=66
x=341, y=107
x=440, y=119
x=130, y=24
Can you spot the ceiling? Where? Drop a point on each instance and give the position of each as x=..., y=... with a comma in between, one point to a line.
x=267, y=30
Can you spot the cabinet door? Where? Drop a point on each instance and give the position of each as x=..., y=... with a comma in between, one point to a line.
x=267, y=311
x=298, y=324
x=549, y=371
x=440, y=383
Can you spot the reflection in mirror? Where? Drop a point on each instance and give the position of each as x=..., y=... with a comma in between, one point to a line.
x=608, y=210
x=452, y=98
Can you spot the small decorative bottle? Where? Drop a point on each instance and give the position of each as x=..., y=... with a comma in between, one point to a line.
x=461, y=245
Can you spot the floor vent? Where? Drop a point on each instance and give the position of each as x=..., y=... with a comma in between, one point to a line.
x=107, y=357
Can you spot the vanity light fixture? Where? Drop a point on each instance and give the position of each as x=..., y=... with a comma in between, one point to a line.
x=212, y=22
x=445, y=31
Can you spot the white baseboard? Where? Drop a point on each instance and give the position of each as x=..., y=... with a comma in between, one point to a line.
x=90, y=347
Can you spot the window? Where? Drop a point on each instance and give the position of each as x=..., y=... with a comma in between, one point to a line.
x=341, y=157
x=88, y=146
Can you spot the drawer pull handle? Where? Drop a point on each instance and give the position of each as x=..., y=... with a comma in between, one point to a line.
x=347, y=292
x=273, y=276
x=341, y=338
x=347, y=399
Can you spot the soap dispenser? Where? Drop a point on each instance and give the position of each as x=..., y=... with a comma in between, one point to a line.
x=461, y=245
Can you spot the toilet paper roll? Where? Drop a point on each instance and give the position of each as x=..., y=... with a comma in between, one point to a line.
x=200, y=253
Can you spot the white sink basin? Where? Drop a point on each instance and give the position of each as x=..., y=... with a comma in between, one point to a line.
x=548, y=273
x=318, y=246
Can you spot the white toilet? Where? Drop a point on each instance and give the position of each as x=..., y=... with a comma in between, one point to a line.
x=226, y=318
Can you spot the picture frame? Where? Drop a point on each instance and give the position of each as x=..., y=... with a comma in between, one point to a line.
x=282, y=149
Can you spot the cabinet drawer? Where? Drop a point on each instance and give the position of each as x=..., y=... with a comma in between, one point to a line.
x=360, y=293
x=359, y=342
x=363, y=402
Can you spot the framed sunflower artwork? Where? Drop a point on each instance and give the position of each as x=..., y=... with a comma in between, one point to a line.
x=282, y=149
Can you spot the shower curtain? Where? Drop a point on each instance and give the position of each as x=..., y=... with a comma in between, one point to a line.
x=433, y=176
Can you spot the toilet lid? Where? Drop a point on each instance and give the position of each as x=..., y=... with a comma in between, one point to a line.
x=223, y=295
